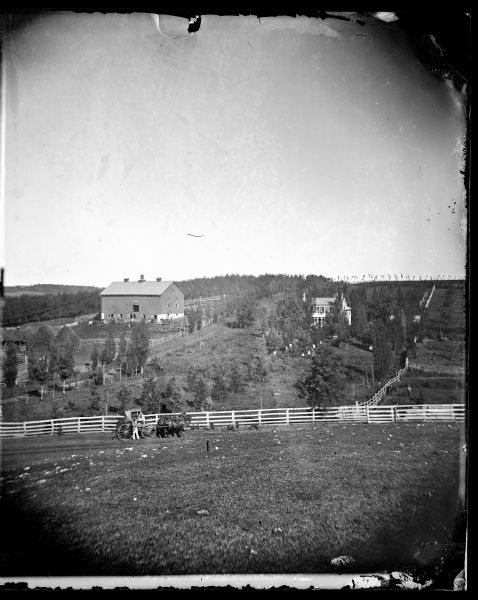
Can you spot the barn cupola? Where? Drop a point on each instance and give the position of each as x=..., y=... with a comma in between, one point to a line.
x=126, y=279
x=141, y=279
x=158, y=278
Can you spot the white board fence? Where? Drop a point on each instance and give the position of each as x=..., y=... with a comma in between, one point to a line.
x=243, y=418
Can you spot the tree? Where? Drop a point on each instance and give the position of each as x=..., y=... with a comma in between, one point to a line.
x=198, y=318
x=124, y=397
x=150, y=396
x=66, y=339
x=109, y=351
x=95, y=400
x=40, y=372
x=219, y=389
x=66, y=364
x=191, y=318
x=131, y=361
x=274, y=341
x=382, y=351
x=42, y=339
x=246, y=312
x=236, y=379
x=32, y=363
x=122, y=348
x=53, y=365
x=56, y=411
x=200, y=392
x=95, y=358
x=359, y=319
x=140, y=343
x=10, y=365
x=172, y=395
x=343, y=327
x=98, y=375
x=258, y=368
x=155, y=367
x=323, y=385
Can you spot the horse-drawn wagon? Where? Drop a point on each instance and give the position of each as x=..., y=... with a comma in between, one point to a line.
x=132, y=417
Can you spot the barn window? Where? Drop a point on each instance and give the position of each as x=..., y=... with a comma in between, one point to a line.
x=135, y=308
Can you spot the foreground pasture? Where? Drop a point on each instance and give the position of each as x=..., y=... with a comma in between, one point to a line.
x=277, y=500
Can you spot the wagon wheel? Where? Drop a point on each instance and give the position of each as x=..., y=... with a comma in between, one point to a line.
x=148, y=431
x=124, y=431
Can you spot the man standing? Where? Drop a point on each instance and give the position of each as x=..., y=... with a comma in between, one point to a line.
x=138, y=419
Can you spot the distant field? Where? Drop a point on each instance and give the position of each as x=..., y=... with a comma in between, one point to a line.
x=277, y=500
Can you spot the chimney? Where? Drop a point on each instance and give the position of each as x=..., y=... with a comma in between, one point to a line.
x=141, y=279
x=126, y=279
x=158, y=278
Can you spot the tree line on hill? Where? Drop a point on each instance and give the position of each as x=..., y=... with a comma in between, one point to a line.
x=30, y=308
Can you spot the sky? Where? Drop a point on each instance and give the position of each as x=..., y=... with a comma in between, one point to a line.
x=291, y=145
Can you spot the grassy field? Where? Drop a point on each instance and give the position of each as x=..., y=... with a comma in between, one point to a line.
x=428, y=389
x=277, y=500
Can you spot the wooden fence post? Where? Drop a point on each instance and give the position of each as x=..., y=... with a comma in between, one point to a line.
x=52, y=427
x=79, y=424
x=395, y=413
x=207, y=420
x=287, y=417
x=313, y=415
x=102, y=423
x=368, y=413
x=24, y=429
x=233, y=418
x=259, y=414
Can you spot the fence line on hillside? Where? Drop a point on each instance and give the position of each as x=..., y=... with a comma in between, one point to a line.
x=429, y=298
x=382, y=392
x=167, y=338
x=267, y=416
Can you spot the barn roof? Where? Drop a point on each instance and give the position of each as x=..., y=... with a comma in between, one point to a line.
x=137, y=288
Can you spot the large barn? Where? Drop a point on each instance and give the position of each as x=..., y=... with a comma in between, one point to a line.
x=135, y=300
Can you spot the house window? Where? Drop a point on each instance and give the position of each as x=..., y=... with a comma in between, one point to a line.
x=135, y=308
x=321, y=310
x=121, y=315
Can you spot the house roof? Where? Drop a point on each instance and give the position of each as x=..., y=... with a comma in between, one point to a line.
x=324, y=301
x=136, y=288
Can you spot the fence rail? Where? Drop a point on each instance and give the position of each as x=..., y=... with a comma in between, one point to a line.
x=378, y=396
x=269, y=416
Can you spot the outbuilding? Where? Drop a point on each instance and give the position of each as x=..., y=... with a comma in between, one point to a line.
x=154, y=301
